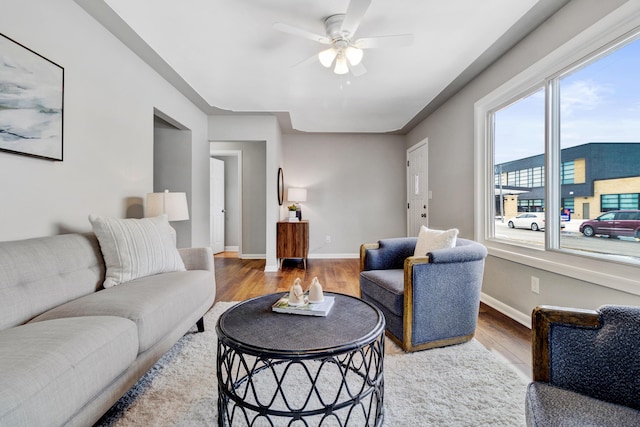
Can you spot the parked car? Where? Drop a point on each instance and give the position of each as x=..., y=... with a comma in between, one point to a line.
x=613, y=224
x=531, y=220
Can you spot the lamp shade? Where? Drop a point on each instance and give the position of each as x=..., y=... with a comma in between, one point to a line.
x=354, y=55
x=341, y=65
x=172, y=204
x=327, y=56
x=297, y=194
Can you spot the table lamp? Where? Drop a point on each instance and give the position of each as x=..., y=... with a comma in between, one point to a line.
x=172, y=204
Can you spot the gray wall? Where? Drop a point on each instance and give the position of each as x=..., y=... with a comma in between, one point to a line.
x=254, y=202
x=109, y=100
x=450, y=130
x=356, y=188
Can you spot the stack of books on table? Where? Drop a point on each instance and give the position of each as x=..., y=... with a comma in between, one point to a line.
x=292, y=219
x=307, y=309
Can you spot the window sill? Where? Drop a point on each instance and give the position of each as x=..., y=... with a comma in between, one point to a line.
x=610, y=274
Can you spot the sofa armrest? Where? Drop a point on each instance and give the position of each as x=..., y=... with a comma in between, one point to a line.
x=387, y=253
x=363, y=253
x=197, y=258
x=464, y=251
x=543, y=317
x=590, y=352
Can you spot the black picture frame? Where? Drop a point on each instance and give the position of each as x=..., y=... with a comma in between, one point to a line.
x=31, y=115
x=280, y=186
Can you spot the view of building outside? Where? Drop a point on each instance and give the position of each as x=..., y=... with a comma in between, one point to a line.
x=599, y=147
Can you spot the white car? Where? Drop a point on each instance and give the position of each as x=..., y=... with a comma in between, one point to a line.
x=531, y=220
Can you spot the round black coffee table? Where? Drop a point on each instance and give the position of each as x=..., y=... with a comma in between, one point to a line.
x=278, y=369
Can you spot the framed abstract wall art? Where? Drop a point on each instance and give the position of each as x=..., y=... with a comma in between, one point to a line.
x=31, y=101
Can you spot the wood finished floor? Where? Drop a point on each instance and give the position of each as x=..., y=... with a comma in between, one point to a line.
x=240, y=279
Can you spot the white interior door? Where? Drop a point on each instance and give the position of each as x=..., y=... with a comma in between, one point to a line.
x=217, y=205
x=417, y=188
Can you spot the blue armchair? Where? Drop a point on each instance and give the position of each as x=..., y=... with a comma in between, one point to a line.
x=428, y=301
x=586, y=367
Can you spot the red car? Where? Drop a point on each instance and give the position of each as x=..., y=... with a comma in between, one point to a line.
x=613, y=224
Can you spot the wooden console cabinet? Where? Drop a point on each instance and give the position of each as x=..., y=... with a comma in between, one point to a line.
x=293, y=241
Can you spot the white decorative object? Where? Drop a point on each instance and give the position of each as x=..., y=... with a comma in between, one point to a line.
x=296, y=295
x=297, y=195
x=315, y=292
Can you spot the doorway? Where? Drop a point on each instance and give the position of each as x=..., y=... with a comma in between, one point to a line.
x=229, y=239
x=417, y=187
x=217, y=205
x=172, y=165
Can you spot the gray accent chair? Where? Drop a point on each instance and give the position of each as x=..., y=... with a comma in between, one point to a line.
x=586, y=367
x=428, y=301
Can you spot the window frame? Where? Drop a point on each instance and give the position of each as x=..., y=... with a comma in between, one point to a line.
x=619, y=27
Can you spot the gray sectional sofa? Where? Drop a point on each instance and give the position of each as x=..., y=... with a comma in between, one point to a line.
x=70, y=348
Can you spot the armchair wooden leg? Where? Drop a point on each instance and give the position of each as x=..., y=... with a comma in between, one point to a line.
x=200, y=324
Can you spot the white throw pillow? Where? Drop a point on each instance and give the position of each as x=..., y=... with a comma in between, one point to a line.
x=134, y=248
x=430, y=240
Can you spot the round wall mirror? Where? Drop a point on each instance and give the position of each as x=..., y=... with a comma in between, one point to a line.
x=280, y=186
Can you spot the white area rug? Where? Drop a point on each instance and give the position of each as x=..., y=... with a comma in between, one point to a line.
x=462, y=385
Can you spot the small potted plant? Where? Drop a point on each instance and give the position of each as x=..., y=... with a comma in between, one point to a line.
x=292, y=211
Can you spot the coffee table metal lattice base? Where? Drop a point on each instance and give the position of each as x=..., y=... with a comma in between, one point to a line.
x=332, y=388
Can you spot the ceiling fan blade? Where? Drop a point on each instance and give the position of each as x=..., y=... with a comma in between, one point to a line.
x=354, y=15
x=398, y=40
x=290, y=29
x=310, y=60
x=358, y=70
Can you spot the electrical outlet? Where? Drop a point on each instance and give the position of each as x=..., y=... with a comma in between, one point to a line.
x=327, y=239
x=535, y=285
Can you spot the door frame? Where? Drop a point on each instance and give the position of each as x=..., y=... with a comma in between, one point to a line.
x=427, y=193
x=238, y=155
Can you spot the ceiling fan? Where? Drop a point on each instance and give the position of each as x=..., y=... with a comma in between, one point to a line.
x=345, y=50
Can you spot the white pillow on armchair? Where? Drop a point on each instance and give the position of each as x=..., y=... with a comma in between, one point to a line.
x=430, y=240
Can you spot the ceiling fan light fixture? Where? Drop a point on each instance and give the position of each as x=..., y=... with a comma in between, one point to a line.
x=354, y=55
x=327, y=56
x=341, y=65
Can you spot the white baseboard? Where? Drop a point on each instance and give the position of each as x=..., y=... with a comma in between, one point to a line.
x=231, y=248
x=518, y=316
x=333, y=256
x=253, y=256
x=271, y=268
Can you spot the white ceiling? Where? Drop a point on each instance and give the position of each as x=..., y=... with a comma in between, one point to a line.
x=229, y=54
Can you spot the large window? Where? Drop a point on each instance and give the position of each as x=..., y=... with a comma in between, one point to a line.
x=585, y=113
x=599, y=105
x=563, y=138
x=519, y=134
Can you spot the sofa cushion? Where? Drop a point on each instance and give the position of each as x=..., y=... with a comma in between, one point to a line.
x=154, y=303
x=39, y=274
x=134, y=248
x=386, y=287
x=50, y=369
x=550, y=406
x=430, y=240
